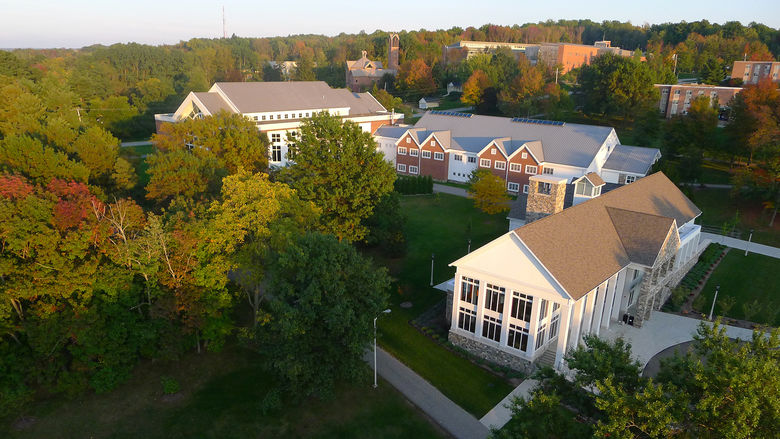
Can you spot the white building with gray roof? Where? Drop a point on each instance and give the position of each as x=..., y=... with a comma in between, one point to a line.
x=279, y=108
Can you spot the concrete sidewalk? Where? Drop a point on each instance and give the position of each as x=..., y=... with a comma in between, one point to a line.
x=663, y=331
x=501, y=413
x=460, y=192
x=456, y=421
x=752, y=247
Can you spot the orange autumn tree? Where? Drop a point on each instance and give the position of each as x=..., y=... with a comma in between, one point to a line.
x=415, y=78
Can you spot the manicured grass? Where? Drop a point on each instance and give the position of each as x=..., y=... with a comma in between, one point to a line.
x=451, y=101
x=718, y=206
x=222, y=397
x=440, y=224
x=746, y=279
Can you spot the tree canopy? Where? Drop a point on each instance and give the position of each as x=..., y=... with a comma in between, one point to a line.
x=338, y=168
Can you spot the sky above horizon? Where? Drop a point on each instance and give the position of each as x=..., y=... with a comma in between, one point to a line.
x=79, y=23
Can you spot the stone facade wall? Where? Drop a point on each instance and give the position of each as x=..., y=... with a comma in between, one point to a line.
x=491, y=354
x=541, y=205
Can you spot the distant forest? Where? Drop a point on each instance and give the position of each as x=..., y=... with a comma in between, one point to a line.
x=123, y=85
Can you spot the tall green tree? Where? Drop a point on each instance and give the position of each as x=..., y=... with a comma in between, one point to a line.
x=338, y=168
x=616, y=86
x=324, y=297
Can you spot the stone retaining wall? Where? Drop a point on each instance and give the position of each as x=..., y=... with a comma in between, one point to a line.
x=490, y=353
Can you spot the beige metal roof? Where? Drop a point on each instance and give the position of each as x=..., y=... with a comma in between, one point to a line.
x=259, y=97
x=213, y=102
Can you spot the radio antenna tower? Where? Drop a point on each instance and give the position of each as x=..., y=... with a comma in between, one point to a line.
x=224, y=28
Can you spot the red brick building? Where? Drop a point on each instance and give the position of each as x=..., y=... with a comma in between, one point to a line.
x=677, y=98
x=449, y=146
x=363, y=73
x=750, y=72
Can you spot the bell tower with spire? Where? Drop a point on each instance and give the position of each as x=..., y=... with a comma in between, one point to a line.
x=392, y=51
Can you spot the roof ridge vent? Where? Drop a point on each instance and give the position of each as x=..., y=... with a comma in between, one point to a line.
x=539, y=121
x=450, y=113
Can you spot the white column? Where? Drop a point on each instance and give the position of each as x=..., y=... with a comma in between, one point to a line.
x=576, y=323
x=534, y=326
x=611, y=286
x=601, y=295
x=480, y=308
x=563, y=334
x=505, y=317
x=455, y=301
x=587, y=317
x=620, y=293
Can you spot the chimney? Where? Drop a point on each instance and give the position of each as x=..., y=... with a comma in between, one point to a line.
x=545, y=196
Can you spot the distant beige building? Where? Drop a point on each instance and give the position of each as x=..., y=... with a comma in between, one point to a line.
x=750, y=72
x=676, y=99
x=363, y=73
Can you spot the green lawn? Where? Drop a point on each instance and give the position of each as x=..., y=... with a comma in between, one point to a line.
x=439, y=224
x=746, y=279
x=451, y=101
x=718, y=206
x=221, y=398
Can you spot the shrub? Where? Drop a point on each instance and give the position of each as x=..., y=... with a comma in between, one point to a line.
x=169, y=385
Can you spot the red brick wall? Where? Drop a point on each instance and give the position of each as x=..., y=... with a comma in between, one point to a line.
x=521, y=178
x=437, y=169
x=406, y=159
x=498, y=156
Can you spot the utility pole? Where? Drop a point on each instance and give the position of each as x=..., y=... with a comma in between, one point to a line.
x=674, y=57
x=224, y=28
x=556, y=75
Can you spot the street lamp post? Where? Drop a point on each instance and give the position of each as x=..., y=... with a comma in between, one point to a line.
x=383, y=312
x=712, y=309
x=432, y=256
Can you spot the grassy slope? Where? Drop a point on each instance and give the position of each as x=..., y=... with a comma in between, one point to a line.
x=439, y=224
x=746, y=278
x=221, y=398
x=718, y=206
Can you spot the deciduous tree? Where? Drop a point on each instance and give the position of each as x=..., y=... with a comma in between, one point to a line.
x=489, y=192
x=324, y=297
x=338, y=168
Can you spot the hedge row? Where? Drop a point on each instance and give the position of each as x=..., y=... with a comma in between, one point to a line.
x=414, y=185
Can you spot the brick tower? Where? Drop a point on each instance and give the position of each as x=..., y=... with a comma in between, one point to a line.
x=392, y=52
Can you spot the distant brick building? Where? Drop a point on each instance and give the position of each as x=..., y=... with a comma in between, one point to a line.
x=676, y=99
x=363, y=73
x=568, y=56
x=750, y=72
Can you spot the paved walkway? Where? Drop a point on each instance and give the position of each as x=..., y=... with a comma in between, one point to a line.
x=663, y=331
x=443, y=188
x=501, y=414
x=740, y=244
x=138, y=143
x=456, y=421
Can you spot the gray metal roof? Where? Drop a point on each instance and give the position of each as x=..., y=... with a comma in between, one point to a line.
x=259, y=97
x=213, y=102
x=568, y=144
x=634, y=159
x=391, y=131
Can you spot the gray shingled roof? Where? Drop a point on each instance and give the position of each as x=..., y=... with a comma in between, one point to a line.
x=581, y=246
x=634, y=159
x=258, y=97
x=213, y=102
x=570, y=144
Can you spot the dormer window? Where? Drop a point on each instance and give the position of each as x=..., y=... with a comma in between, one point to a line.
x=586, y=189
